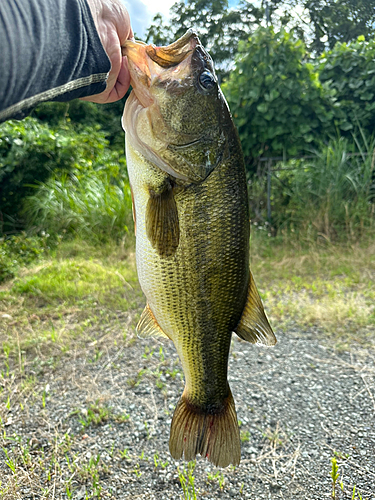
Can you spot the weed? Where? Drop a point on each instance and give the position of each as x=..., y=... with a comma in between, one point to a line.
x=334, y=476
x=98, y=354
x=10, y=462
x=274, y=436
x=187, y=480
x=219, y=477
x=134, y=382
x=245, y=436
x=172, y=373
x=148, y=353
x=121, y=418
x=137, y=471
x=158, y=462
x=125, y=454
x=96, y=414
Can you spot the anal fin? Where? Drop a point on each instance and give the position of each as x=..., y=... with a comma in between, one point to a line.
x=148, y=326
x=253, y=325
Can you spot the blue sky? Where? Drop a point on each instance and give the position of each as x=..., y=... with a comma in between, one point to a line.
x=142, y=11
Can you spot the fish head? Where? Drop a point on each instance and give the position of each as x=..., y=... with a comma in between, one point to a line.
x=176, y=115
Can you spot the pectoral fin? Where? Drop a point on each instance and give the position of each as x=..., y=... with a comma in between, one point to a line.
x=162, y=226
x=148, y=326
x=133, y=211
x=254, y=326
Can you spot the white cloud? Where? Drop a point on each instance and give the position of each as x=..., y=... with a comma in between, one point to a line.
x=142, y=11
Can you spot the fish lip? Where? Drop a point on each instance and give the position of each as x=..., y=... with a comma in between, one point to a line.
x=173, y=54
x=147, y=61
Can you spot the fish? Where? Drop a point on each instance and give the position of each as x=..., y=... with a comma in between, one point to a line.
x=191, y=215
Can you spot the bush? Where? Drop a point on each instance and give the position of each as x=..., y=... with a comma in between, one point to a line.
x=331, y=196
x=276, y=98
x=30, y=152
x=349, y=70
x=20, y=250
x=94, y=204
x=79, y=115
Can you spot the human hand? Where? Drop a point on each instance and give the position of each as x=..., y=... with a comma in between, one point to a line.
x=113, y=26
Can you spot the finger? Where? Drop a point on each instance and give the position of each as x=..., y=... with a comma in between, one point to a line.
x=123, y=79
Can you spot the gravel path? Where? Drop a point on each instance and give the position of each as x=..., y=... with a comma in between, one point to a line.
x=298, y=404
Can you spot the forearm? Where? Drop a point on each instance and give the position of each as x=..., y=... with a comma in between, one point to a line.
x=49, y=50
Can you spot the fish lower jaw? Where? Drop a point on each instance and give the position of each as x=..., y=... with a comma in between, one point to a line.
x=130, y=117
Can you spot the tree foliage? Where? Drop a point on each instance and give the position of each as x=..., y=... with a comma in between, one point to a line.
x=323, y=23
x=219, y=27
x=349, y=70
x=278, y=103
x=79, y=114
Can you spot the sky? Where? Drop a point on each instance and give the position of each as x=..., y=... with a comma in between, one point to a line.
x=142, y=11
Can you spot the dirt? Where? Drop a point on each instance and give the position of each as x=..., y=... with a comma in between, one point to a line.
x=299, y=404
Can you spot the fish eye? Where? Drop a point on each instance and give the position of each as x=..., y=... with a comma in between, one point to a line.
x=207, y=80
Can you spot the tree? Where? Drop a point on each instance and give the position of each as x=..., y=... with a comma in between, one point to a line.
x=349, y=70
x=219, y=27
x=326, y=22
x=278, y=103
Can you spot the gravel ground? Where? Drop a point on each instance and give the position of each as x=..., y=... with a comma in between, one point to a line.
x=298, y=404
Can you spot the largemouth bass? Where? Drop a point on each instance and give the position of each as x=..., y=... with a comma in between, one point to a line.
x=190, y=208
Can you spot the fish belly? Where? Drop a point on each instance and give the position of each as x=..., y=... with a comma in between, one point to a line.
x=197, y=295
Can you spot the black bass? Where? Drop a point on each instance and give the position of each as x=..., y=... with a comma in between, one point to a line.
x=190, y=209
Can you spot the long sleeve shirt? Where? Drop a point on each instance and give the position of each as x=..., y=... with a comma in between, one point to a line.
x=49, y=51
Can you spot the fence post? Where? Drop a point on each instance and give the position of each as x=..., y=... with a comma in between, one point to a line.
x=269, y=191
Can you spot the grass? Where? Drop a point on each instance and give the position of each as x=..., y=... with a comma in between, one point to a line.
x=330, y=287
x=54, y=305
x=95, y=205
x=187, y=480
x=79, y=297
x=329, y=197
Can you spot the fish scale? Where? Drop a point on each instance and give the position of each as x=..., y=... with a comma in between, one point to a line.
x=192, y=236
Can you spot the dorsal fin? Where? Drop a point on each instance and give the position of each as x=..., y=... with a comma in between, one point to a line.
x=148, y=326
x=254, y=326
x=162, y=225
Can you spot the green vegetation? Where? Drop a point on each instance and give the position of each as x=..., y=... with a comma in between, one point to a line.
x=327, y=286
x=286, y=108
x=337, y=482
x=296, y=103
x=330, y=196
x=93, y=205
x=68, y=281
x=186, y=477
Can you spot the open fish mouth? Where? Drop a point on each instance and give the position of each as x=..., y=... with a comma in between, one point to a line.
x=166, y=57
x=149, y=64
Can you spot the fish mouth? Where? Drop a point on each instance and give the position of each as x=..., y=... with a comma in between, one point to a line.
x=150, y=65
x=166, y=57
x=148, y=62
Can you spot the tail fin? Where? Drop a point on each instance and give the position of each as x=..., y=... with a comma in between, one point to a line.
x=214, y=435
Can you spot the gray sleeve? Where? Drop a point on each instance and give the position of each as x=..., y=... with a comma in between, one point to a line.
x=49, y=50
